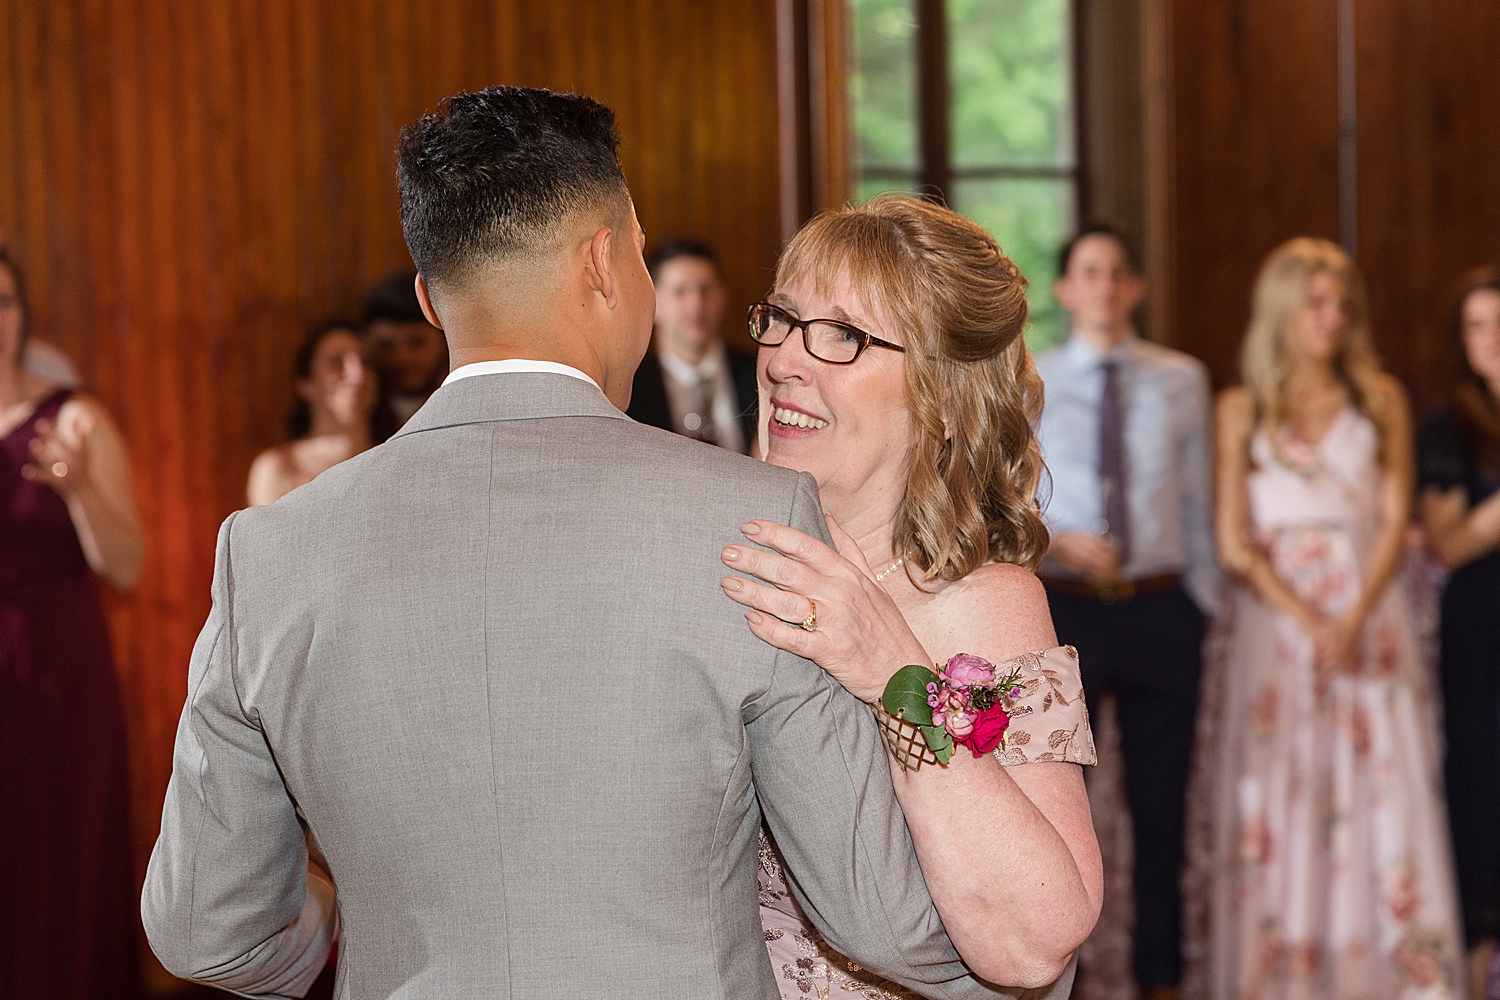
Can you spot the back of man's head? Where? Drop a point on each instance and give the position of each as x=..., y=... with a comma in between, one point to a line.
x=496, y=175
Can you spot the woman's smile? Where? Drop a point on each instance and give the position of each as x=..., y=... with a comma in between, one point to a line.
x=792, y=421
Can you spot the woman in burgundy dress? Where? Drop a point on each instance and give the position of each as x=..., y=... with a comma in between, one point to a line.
x=68, y=909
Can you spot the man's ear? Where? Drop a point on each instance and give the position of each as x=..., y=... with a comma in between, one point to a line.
x=424, y=299
x=598, y=267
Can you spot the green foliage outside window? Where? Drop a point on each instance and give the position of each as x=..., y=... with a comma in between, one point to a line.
x=1011, y=106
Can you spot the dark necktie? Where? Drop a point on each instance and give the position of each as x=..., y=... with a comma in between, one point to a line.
x=700, y=421
x=1112, y=482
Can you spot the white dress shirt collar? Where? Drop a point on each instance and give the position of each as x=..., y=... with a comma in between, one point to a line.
x=1084, y=353
x=512, y=365
x=690, y=375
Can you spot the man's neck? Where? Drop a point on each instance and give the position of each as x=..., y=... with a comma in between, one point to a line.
x=586, y=362
x=1105, y=338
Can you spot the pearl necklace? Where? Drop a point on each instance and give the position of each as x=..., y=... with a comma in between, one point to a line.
x=880, y=577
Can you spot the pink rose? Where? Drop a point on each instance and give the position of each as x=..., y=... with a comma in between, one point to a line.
x=988, y=728
x=952, y=711
x=965, y=670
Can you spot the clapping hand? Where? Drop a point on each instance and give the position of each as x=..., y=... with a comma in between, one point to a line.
x=59, y=460
x=857, y=633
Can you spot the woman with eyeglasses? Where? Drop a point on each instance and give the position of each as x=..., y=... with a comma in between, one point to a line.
x=892, y=369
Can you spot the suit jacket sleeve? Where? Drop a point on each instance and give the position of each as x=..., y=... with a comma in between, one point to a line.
x=229, y=900
x=825, y=789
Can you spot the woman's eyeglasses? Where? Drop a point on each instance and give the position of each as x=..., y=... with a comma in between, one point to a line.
x=827, y=340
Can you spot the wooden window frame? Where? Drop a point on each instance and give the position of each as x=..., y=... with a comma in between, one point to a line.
x=812, y=79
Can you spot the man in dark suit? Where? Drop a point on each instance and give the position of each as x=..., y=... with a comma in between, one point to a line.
x=690, y=382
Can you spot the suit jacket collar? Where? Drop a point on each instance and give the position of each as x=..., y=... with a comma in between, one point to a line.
x=513, y=396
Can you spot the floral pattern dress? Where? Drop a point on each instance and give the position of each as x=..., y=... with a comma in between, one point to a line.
x=1049, y=722
x=1330, y=872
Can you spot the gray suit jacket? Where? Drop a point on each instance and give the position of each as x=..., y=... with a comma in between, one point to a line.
x=488, y=664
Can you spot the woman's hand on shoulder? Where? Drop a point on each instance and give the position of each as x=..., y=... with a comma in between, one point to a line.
x=821, y=604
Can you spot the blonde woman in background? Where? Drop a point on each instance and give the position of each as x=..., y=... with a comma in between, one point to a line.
x=1331, y=873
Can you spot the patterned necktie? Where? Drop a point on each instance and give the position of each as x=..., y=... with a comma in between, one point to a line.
x=1112, y=482
x=700, y=420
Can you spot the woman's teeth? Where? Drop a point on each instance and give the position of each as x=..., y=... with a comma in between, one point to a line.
x=795, y=418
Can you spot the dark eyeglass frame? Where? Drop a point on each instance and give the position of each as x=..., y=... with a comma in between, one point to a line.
x=866, y=340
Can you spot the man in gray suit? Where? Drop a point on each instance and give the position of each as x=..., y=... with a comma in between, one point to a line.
x=488, y=665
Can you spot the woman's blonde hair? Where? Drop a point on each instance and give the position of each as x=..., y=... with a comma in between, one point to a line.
x=960, y=305
x=1266, y=356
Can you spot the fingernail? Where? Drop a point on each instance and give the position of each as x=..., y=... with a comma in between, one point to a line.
x=730, y=583
x=731, y=554
x=755, y=619
x=750, y=528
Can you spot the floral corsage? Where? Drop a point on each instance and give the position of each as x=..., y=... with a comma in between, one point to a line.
x=924, y=714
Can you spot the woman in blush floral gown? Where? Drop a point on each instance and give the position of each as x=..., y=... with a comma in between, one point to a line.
x=1330, y=874
x=892, y=369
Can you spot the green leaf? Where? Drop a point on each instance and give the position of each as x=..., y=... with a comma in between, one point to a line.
x=906, y=694
x=939, y=742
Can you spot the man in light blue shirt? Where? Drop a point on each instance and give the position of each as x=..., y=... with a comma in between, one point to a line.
x=1131, y=575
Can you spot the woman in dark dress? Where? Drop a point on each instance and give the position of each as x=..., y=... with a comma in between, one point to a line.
x=1459, y=503
x=68, y=908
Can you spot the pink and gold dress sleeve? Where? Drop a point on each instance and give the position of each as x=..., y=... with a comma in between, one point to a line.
x=1049, y=720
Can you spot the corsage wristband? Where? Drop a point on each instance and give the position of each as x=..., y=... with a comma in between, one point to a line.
x=923, y=713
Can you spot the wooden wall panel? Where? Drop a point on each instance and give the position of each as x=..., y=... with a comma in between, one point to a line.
x=1429, y=170
x=192, y=183
x=1254, y=161
x=1256, y=155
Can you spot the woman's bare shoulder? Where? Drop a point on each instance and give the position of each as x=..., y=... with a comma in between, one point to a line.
x=998, y=611
x=1235, y=404
x=273, y=474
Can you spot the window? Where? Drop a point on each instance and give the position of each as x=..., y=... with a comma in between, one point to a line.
x=973, y=99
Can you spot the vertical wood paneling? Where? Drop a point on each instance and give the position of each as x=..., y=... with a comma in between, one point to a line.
x=1429, y=156
x=1253, y=161
x=1256, y=160
x=193, y=182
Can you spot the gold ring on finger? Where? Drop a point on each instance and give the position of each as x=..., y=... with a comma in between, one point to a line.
x=59, y=469
x=810, y=623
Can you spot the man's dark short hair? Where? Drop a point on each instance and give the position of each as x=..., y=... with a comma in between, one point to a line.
x=490, y=174
x=682, y=246
x=394, y=300
x=1065, y=255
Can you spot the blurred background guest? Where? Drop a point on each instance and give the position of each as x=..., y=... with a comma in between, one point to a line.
x=67, y=894
x=409, y=353
x=1331, y=873
x=338, y=414
x=691, y=382
x=1459, y=505
x=1131, y=574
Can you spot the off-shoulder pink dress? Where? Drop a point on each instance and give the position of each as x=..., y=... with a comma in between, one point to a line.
x=1330, y=874
x=1049, y=723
